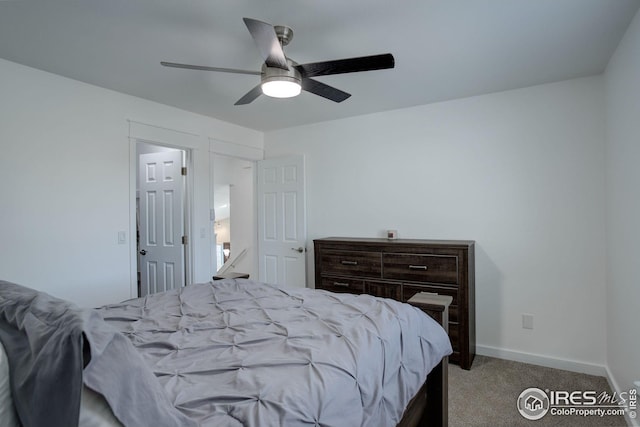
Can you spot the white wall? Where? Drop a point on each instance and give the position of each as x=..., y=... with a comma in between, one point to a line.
x=521, y=172
x=65, y=184
x=622, y=79
x=223, y=230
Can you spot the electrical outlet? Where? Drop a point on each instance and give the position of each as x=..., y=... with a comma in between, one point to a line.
x=527, y=321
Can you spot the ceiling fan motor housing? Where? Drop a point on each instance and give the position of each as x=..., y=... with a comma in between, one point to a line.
x=284, y=34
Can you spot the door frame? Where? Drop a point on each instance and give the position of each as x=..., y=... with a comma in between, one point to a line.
x=242, y=152
x=188, y=210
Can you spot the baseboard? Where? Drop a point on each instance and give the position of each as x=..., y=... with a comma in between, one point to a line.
x=541, y=360
x=616, y=388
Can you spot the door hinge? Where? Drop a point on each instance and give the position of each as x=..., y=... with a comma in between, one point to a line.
x=185, y=240
x=184, y=171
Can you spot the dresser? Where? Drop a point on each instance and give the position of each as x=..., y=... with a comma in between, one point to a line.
x=401, y=268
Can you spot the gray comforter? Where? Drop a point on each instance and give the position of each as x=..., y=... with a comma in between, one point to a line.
x=227, y=353
x=242, y=353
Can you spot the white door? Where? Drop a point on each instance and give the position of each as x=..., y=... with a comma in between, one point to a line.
x=282, y=222
x=161, y=253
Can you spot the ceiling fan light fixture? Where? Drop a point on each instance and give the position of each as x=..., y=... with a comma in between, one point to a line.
x=280, y=83
x=281, y=87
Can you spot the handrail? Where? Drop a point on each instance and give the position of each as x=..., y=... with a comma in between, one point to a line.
x=231, y=262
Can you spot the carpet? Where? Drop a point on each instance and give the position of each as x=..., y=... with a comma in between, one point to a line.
x=487, y=394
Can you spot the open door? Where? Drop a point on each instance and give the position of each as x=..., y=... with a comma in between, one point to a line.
x=282, y=222
x=161, y=251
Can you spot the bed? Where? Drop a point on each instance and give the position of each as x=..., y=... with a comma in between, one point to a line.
x=224, y=353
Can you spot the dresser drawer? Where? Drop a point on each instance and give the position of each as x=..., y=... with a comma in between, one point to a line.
x=420, y=268
x=351, y=263
x=343, y=285
x=384, y=290
x=453, y=313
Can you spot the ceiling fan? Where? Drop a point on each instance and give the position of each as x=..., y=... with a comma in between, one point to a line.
x=281, y=77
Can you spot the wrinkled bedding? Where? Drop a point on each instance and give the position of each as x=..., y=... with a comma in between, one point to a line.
x=243, y=353
x=226, y=353
x=53, y=347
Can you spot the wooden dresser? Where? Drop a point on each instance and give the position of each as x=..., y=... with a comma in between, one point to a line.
x=399, y=269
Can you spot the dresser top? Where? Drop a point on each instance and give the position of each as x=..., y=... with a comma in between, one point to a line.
x=382, y=241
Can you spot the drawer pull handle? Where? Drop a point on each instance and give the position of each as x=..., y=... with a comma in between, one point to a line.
x=341, y=284
x=418, y=267
x=349, y=262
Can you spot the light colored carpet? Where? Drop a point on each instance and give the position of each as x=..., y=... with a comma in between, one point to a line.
x=487, y=394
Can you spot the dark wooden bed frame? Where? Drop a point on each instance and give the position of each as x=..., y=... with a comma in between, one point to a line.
x=430, y=406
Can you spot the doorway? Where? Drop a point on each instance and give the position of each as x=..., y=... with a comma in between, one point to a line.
x=161, y=218
x=234, y=235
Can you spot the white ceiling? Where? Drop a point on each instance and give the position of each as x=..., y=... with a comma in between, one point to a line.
x=444, y=49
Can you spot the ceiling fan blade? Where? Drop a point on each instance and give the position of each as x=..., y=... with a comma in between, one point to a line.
x=205, y=68
x=267, y=41
x=250, y=96
x=349, y=65
x=323, y=90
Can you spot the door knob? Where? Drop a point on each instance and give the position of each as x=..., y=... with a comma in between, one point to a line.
x=299, y=250
x=143, y=252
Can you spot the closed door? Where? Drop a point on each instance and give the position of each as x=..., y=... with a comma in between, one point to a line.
x=161, y=252
x=282, y=222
